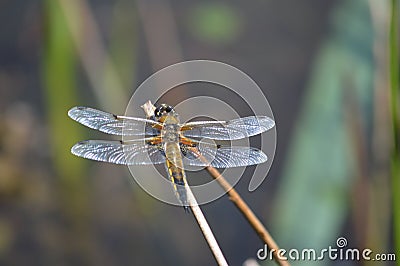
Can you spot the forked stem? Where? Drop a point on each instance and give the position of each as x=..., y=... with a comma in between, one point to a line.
x=239, y=203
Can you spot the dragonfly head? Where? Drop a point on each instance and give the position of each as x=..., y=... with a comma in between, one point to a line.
x=162, y=110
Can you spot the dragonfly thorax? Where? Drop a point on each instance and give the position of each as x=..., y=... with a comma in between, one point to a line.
x=170, y=132
x=170, y=137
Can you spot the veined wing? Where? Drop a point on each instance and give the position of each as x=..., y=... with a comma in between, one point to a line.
x=114, y=124
x=204, y=154
x=228, y=130
x=135, y=152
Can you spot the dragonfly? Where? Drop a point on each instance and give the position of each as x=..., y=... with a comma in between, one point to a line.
x=163, y=139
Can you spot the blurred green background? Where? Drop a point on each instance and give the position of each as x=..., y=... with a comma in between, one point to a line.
x=324, y=66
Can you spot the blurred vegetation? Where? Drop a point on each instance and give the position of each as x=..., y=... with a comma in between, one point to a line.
x=60, y=66
x=56, y=209
x=215, y=23
x=329, y=180
x=61, y=91
x=395, y=112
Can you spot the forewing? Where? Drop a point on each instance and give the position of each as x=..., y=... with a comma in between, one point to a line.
x=114, y=124
x=228, y=130
x=204, y=154
x=137, y=152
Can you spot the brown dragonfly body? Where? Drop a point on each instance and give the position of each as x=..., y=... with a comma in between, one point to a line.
x=170, y=137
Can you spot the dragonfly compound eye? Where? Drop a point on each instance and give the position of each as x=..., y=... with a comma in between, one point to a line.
x=157, y=112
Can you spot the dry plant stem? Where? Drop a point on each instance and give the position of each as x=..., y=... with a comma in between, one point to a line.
x=245, y=210
x=205, y=228
x=248, y=214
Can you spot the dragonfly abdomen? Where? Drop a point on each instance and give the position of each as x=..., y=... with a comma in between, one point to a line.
x=174, y=167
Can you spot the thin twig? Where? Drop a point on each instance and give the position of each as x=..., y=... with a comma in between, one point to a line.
x=205, y=228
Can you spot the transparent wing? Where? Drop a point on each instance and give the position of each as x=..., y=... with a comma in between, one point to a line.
x=204, y=154
x=113, y=124
x=136, y=152
x=228, y=130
